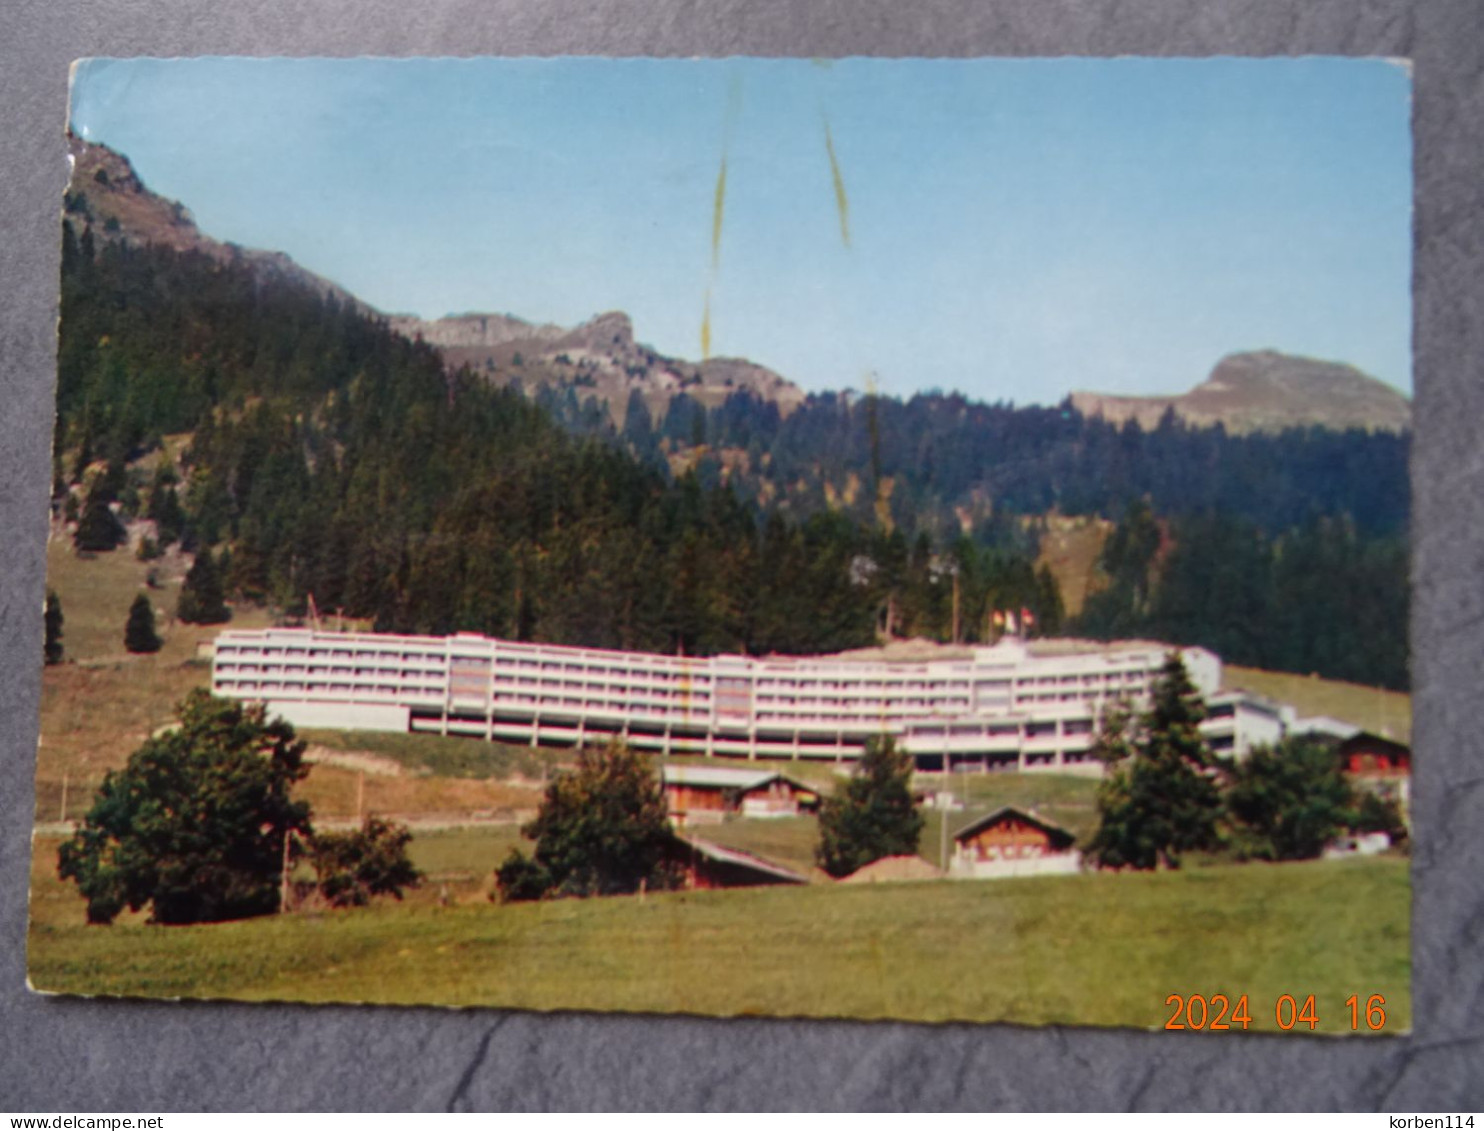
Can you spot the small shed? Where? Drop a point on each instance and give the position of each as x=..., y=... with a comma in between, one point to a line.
x=709, y=794
x=1013, y=842
x=708, y=866
x=894, y=869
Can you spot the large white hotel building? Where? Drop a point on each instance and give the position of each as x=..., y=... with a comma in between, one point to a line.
x=1015, y=705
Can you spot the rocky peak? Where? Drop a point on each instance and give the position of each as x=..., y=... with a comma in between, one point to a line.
x=611, y=332
x=1265, y=391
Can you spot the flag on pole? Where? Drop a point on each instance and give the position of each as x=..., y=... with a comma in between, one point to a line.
x=1026, y=618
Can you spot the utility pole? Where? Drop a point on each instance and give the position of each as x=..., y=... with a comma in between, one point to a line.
x=945, y=802
x=955, y=604
x=283, y=878
x=360, y=796
x=943, y=833
x=62, y=816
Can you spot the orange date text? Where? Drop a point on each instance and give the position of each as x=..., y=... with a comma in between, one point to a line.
x=1221, y=1013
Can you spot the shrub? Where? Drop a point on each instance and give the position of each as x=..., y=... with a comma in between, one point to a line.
x=352, y=868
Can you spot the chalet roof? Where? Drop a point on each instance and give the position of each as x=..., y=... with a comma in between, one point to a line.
x=727, y=777
x=1029, y=816
x=739, y=859
x=1366, y=740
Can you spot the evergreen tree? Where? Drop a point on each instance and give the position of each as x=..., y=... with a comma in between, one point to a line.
x=53, y=618
x=201, y=600
x=164, y=508
x=139, y=632
x=872, y=815
x=1158, y=798
x=98, y=531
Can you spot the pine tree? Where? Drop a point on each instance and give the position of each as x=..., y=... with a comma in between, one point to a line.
x=53, y=617
x=98, y=530
x=139, y=632
x=1159, y=798
x=164, y=508
x=201, y=599
x=873, y=816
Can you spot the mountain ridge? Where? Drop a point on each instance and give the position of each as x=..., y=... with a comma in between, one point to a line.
x=1252, y=391
x=107, y=198
x=1266, y=391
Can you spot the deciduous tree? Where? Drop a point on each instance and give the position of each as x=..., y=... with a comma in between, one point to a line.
x=1290, y=801
x=196, y=824
x=602, y=829
x=352, y=868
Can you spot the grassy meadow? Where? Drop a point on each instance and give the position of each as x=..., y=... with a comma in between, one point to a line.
x=1370, y=708
x=1092, y=949
x=1087, y=950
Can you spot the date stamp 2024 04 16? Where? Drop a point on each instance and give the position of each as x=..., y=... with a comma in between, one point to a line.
x=1217, y=1013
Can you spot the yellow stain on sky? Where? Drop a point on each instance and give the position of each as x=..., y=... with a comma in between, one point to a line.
x=842, y=203
x=718, y=210
x=719, y=205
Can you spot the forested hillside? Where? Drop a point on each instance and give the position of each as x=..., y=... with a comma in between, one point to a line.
x=1279, y=550
x=330, y=456
x=1320, y=596
x=942, y=459
x=327, y=455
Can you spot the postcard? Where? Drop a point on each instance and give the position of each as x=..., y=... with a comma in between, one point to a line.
x=872, y=538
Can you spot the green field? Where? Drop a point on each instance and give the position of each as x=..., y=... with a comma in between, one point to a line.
x=1095, y=949
x=1380, y=712
x=1092, y=949
x=451, y=757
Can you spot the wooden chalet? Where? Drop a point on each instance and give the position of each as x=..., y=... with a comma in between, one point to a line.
x=1379, y=764
x=1369, y=755
x=710, y=794
x=1013, y=842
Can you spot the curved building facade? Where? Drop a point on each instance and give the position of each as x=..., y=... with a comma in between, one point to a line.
x=1014, y=705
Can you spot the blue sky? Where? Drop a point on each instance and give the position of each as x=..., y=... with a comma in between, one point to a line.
x=1016, y=228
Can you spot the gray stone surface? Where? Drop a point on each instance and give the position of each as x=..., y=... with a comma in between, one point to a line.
x=83, y=1055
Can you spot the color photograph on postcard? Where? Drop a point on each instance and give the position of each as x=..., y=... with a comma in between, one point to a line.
x=867, y=538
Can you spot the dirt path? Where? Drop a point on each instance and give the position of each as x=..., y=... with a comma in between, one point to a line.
x=355, y=760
